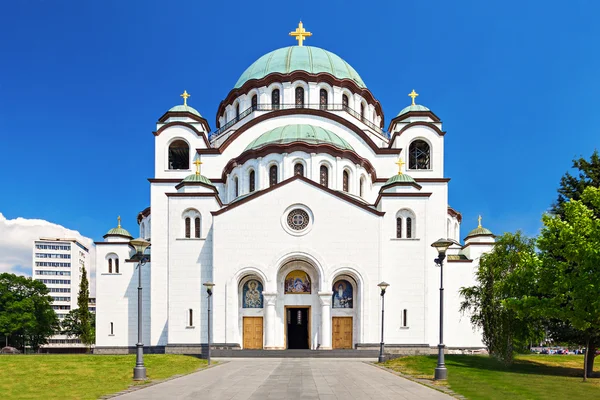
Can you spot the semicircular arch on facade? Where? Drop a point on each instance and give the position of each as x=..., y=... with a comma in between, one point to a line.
x=302, y=262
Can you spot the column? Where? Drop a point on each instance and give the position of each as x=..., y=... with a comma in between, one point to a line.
x=325, y=298
x=270, y=316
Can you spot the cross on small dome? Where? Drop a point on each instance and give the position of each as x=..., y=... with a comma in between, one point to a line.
x=413, y=95
x=185, y=96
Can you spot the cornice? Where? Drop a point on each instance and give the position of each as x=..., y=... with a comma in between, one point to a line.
x=400, y=195
x=413, y=124
x=186, y=125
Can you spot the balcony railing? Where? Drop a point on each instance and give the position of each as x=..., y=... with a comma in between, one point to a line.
x=276, y=107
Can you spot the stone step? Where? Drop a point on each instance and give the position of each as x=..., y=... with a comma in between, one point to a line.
x=294, y=353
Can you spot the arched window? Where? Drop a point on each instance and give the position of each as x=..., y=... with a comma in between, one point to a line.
x=187, y=227
x=197, y=227
x=345, y=181
x=179, y=155
x=112, y=326
x=323, y=99
x=405, y=224
x=299, y=97
x=409, y=226
x=236, y=187
x=324, y=175
x=362, y=111
x=273, y=175
x=345, y=102
x=190, y=317
x=254, y=102
x=419, y=155
x=275, y=99
x=362, y=187
x=299, y=169
x=251, y=181
x=113, y=263
x=399, y=227
x=110, y=265
x=237, y=111
x=116, y=265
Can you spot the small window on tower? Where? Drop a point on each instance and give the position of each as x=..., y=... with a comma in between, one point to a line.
x=179, y=155
x=188, y=227
x=275, y=99
x=299, y=169
x=419, y=155
x=345, y=102
x=197, y=227
x=116, y=265
x=345, y=181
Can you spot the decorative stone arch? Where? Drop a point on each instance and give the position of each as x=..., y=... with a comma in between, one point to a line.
x=303, y=85
x=362, y=185
x=329, y=89
x=234, y=179
x=247, y=170
x=252, y=92
x=269, y=92
x=350, y=95
x=348, y=169
x=167, y=153
x=284, y=267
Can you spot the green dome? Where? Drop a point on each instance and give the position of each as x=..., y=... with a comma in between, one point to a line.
x=299, y=133
x=416, y=107
x=313, y=60
x=400, y=178
x=480, y=230
x=118, y=231
x=182, y=108
x=197, y=178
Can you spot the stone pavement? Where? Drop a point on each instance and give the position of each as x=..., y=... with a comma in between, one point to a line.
x=288, y=378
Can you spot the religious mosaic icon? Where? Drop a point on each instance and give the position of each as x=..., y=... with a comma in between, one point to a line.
x=297, y=282
x=252, y=293
x=298, y=219
x=342, y=294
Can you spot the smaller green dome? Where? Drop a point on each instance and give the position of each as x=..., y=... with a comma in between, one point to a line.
x=400, y=178
x=197, y=178
x=118, y=231
x=299, y=133
x=184, y=108
x=480, y=230
x=416, y=107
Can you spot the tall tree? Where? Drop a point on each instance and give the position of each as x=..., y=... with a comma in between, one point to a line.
x=79, y=322
x=503, y=274
x=569, y=281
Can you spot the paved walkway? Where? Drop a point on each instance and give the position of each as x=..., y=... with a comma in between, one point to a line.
x=289, y=378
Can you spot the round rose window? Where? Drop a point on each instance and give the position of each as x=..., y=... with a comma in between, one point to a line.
x=298, y=219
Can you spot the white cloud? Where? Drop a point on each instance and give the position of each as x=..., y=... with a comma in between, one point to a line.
x=16, y=242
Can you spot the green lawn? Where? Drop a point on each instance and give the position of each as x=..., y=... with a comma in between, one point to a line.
x=530, y=377
x=81, y=376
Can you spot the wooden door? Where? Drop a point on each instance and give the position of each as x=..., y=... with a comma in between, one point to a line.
x=342, y=332
x=253, y=333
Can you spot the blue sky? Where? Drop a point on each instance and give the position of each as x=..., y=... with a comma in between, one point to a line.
x=83, y=83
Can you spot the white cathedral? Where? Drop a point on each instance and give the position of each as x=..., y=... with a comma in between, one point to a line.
x=296, y=207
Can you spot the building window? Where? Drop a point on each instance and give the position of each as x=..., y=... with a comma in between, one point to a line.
x=110, y=265
x=298, y=219
x=345, y=181
x=324, y=175
x=188, y=227
x=251, y=181
x=273, y=175
x=197, y=227
x=237, y=112
x=323, y=99
x=112, y=331
x=275, y=99
x=299, y=97
x=405, y=318
x=399, y=227
x=116, y=265
x=254, y=102
x=236, y=187
x=362, y=112
x=191, y=317
x=409, y=228
x=179, y=155
x=345, y=102
x=419, y=155
x=299, y=169
x=362, y=187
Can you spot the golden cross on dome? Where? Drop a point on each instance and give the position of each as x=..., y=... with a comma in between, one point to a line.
x=479, y=221
x=300, y=34
x=185, y=96
x=198, y=164
x=119, y=219
x=400, y=163
x=414, y=95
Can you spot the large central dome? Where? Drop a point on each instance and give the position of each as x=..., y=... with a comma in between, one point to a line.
x=313, y=60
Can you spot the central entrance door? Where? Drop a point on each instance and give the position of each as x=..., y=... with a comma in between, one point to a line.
x=297, y=327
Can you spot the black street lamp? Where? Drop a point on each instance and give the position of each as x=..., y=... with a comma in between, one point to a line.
x=209, y=287
x=382, y=286
x=441, y=246
x=140, y=245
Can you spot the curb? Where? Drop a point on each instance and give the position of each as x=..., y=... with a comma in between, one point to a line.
x=424, y=382
x=135, y=388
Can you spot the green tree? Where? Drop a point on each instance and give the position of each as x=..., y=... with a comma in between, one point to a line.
x=569, y=281
x=26, y=314
x=79, y=322
x=503, y=274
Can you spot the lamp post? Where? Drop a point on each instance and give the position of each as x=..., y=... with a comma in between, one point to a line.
x=441, y=245
x=140, y=245
x=382, y=286
x=209, y=287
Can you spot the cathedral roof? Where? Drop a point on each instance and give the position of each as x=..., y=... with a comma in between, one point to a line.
x=313, y=60
x=299, y=133
x=197, y=178
x=185, y=108
x=480, y=231
x=400, y=178
x=415, y=107
x=118, y=231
